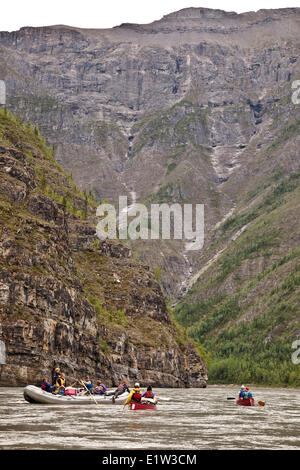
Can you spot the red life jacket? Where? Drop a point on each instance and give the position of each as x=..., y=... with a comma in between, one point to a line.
x=122, y=386
x=136, y=396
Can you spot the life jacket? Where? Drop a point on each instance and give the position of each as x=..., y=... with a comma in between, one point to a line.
x=100, y=389
x=136, y=396
x=122, y=386
x=60, y=382
x=149, y=395
x=246, y=395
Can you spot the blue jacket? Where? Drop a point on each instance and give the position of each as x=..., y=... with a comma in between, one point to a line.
x=88, y=385
x=46, y=386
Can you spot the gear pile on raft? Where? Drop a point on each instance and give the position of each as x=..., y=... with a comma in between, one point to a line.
x=85, y=392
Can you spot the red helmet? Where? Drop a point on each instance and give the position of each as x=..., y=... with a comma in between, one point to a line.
x=247, y=388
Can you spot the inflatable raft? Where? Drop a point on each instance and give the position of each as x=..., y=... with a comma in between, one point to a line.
x=34, y=394
x=247, y=402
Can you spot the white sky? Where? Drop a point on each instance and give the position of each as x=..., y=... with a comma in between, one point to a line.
x=108, y=13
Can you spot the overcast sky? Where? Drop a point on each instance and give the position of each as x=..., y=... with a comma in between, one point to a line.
x=108, y=13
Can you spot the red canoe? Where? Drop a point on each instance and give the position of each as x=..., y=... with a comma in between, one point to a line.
x=142, y=406
x=247, y=402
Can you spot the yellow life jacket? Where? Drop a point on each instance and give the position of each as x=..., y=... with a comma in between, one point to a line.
x=135, y=391
x=60, y=382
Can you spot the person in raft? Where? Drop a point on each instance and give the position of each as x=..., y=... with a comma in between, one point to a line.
x=135, y=395
x=55, y=375
x=242, y=392
x=148, y=394
x=247, y=394
x=46, y=385
x=60, y=384
x=88, y=383
x=123, y=387
x=100, y=389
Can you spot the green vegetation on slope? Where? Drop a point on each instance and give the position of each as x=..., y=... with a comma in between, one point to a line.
x=56, y=184
x=84, y=268
x=175, y=126
x=245, y=311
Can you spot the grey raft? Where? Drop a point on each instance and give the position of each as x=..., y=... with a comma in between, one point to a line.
x=34, y=394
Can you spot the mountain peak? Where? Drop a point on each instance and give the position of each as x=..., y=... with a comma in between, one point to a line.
x=198, y=12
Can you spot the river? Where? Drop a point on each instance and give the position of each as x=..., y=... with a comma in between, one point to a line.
x=185, y=419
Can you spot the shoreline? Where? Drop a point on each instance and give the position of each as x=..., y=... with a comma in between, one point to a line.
x=215, y=385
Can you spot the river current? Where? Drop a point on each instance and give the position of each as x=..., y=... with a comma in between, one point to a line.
x=185, y=419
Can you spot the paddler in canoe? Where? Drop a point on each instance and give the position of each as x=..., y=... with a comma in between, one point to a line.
x=242, y=392
x=245, y=397
x=247, y=394
x=135, y=395
x=148, y=396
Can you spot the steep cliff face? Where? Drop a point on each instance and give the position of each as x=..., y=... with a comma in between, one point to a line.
x=195, y=107
x=166, y=111
x=66, y=297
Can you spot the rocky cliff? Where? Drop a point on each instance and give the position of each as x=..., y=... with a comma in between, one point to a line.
x=160, y=112
x=67, y=298
x=196, y=107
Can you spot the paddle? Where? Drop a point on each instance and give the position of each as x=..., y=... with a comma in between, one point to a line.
x=74, y=383
x=150, y=400
x=82, y=383
x=231, y=398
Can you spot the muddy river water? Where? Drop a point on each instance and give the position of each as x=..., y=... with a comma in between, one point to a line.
x=184, y=419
